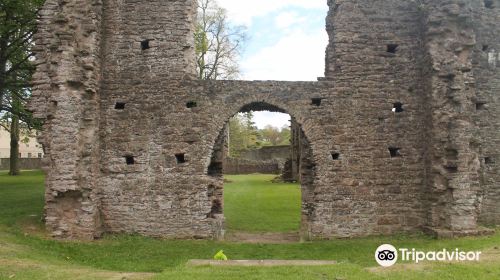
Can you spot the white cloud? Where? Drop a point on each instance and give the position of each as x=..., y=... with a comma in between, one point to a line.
x=243, y=11
x=264, y=118
x=287, y=19
x=299, y=56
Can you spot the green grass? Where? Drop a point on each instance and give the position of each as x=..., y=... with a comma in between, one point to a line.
x=21, y=196
x=252, y=203
x=26, y=253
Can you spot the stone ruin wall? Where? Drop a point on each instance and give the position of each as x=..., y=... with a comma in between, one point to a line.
x=238, y=166
x=266, y=160
x=486, y=62
x=281, y=152
x=66, y=92
x=133, y=140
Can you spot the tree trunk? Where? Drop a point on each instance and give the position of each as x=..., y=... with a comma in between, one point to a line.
x=3, y=67
x=14, y=140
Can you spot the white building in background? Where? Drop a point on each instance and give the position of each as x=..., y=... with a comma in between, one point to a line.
x=32, y=149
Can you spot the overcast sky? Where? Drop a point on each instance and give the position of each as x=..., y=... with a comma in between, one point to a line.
x=286, y=41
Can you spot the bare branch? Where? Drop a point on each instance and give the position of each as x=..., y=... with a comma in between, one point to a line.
x=5, y=126
x=218, y=58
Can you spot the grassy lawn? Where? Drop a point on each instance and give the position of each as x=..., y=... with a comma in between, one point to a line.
x=252, y=203
x=26, y=252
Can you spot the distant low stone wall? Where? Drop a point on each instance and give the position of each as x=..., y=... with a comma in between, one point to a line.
x=268, y=153
x=244, y=166
x=24, y=163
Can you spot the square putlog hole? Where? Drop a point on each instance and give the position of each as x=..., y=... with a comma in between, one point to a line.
x=392, y=48
x=336, y=156
x=145, y=45
x=395, y=152
x=129, y=160
x=316, y=101
x=480, y=106
x=397, y=107
x=191, y=104
x=489, y=160
x=180, y=158
x=120, y=106
x=489, y=4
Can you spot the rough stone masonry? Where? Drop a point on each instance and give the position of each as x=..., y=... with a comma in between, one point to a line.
x=401, y=135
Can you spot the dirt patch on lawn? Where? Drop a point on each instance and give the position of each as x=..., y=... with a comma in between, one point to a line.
x=260, y=263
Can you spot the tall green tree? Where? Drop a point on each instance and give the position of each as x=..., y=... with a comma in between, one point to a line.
x=218, y=44
x=19, y=131
x=273, y=136
x=18, y=20
x=244, y=134
x=250, y=130
x=236, y=136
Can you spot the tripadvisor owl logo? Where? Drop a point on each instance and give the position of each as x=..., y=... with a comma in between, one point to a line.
x=387, y=255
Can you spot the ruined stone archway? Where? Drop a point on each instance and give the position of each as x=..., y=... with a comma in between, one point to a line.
x=304, y=160
x=129, y=132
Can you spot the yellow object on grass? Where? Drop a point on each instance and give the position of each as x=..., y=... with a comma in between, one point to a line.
x=220, y=256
